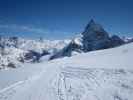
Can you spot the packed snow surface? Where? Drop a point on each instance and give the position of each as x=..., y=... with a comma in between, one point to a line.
x=98, y=75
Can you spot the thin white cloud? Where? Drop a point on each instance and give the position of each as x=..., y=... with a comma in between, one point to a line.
x=24, y=28
x=32, y=31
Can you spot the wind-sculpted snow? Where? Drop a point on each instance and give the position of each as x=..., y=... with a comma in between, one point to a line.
x=94, y=84
x=74, y=83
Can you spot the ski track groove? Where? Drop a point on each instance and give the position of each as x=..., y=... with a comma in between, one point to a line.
x=98, y=77
x=71, y=83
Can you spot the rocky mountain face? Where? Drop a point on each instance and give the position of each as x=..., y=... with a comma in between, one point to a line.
x=94, y=37
x=67, y=51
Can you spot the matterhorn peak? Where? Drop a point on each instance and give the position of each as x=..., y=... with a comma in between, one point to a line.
x=93, y=26
x=91, y=23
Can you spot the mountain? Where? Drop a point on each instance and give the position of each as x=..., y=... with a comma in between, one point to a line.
x=15, y=51
x=94, y=37
x=105, y=73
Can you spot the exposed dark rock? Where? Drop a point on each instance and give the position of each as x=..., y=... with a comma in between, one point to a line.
x=44, y=53
x=34, y=56
x=14, y=40
x=67, y=51
x=11, y=65
x=94, y=37
x=131, y=40
x=116, y=41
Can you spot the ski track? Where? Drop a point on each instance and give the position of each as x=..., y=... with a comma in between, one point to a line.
x=73, y=83
x=8, y=92
x=98, y=84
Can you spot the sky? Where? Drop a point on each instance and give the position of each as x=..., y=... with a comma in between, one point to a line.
x=59, y=19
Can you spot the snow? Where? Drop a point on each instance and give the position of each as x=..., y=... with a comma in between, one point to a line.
x=98, y=75
x=38, y=46
x=13, y=49
x=127, y=39
x=11, y=55
x=120, y=57
x=78, y=39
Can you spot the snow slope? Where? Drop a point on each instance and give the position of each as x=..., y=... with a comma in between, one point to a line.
x=98, y=75
x=120, y=57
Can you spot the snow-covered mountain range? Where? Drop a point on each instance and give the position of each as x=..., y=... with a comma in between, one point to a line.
x=15, y=51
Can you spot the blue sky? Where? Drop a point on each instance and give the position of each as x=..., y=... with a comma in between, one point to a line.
x=56, y=19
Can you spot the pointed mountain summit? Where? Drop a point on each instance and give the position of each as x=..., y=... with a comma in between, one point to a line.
x=93, y=26
x=94, y=37
x=91, y=23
